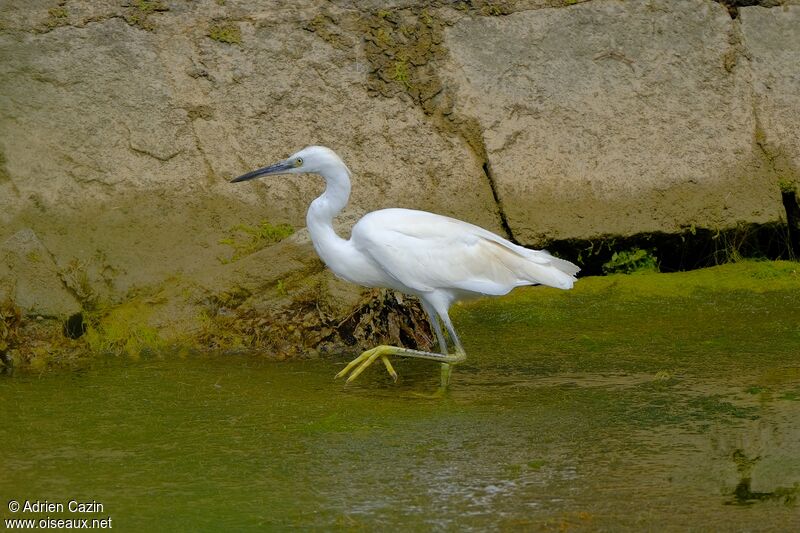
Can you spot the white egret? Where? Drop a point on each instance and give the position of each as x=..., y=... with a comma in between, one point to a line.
x=436, y=258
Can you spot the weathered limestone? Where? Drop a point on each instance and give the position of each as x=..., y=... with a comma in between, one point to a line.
x=117, y=142
x=30, y=278
x=614, y=117
x=772, y=40
x=120, y=124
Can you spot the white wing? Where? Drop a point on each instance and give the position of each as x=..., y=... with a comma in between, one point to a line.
x=425, y=252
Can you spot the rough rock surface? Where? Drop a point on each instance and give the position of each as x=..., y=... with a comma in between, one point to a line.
x=772, y=41
x=119, y=134
x=30, y=278
x=614, y=118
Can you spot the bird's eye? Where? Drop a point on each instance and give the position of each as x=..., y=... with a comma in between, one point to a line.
x=298, y=162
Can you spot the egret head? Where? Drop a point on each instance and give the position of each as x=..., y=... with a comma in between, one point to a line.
x=312, y=159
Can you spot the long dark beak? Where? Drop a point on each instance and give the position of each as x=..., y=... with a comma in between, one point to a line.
x=277, y=168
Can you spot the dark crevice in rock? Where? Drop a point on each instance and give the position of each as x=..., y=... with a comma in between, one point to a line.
x=487, y=171
x=74, y=327
x=688, y=250
x=790, y=203
x=403, y=47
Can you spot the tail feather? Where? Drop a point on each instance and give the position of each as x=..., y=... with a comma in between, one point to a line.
x=524, y=266
x=551, y=271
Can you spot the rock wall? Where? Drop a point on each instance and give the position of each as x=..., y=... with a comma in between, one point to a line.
x=122, y=121
x=611, y=117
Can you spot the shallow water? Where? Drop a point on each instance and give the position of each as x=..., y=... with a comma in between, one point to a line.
x=624, y=405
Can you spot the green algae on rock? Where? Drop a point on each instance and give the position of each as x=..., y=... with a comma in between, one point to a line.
x=313, y=314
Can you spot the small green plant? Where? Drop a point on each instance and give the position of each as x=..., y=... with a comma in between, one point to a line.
x=225, y=32
x=731, y=245
x=281, y=288
x=248, y=239
x=631, y=261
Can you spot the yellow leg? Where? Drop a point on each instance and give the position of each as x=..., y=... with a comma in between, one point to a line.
x=363, y=361
x=389, y=367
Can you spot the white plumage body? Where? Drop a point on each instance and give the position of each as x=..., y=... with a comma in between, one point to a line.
x=437, y=258
x=421, y=252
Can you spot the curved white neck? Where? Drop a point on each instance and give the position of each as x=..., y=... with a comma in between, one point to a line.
x=319, y=218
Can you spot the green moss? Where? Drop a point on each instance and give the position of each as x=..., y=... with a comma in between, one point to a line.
x=139, y=13
x=124, y=330
x=400, y=47
x=59, y=12
x=707, y=320
x=747, y=275
x=56, y=16
x=246, y=239
x=328, y=30
x=225, y=32
x=151, y=6
x=401, y=72
x=786, y=185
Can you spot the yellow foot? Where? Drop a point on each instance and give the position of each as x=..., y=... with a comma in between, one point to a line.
x=366, y=359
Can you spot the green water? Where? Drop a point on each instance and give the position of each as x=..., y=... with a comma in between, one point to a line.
x=666, y=402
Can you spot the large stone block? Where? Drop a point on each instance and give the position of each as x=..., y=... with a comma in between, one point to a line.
x=772, y=40
x=117, y=139
x=614, y=117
